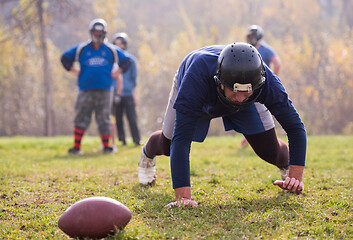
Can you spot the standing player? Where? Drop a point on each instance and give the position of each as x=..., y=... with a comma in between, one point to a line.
x=128, y=97
x=255, y=37
x=226, y=81
x=98, y=61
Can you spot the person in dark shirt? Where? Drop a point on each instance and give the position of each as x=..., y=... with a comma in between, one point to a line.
x=271, y=59
x=226, y=81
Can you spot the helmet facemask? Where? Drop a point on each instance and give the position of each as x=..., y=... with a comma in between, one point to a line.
x=255, y=34
x=98, y=30
x=120, y=39
x=233, y=105
x=252, y=39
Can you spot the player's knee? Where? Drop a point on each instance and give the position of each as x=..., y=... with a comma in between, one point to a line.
x=158, y=144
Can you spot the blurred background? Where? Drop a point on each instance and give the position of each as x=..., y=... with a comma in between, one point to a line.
x=313, y=38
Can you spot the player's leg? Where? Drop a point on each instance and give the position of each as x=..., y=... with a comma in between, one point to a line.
x=103, y=106
x=271, y=149
x=132, y=119
x=257, y=125
x=83, y=115
x=119, y=121
x=158, y=143
x=114, y=131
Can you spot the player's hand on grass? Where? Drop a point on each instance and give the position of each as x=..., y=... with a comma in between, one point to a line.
x=183, y=198
x=182, y=202
x=290, y=184
x=294, y=182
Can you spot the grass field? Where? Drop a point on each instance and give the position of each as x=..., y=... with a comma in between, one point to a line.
x=39, y=181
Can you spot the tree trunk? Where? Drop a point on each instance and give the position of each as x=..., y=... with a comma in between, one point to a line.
x=48, y=86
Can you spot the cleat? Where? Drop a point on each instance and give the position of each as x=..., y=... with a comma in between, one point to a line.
x=75, y=151
x=146, y=170
x=108, y=150
x=284, y=172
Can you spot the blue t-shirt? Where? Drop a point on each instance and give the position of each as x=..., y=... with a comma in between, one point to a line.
x=267, y=53
x=95, y=65
x=129, y=78
x=197, y=98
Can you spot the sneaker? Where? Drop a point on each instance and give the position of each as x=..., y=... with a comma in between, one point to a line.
x=284, y=172
x=146, y=170
x=115, y=149
x=75, y=151
x=108, y=150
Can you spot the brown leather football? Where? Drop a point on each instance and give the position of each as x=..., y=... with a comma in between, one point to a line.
x=94, y=217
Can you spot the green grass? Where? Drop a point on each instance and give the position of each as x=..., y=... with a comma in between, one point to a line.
x=233, y=187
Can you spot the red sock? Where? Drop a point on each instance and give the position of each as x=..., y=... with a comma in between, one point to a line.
x=105, y=140
x=78, y=134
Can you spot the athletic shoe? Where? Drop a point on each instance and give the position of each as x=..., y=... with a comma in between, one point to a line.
x=75, y=151
x=146, y=169
x=115, y=149
x=284, y=172
x=108, y=150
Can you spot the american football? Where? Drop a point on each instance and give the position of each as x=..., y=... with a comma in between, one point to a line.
x=94, y=217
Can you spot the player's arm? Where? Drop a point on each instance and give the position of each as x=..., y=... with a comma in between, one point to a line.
x=68, y=59
x=133, y=76
x=74, y=70
x=294, y=127
x=116, y=74
x=184, y=129
x=119, y=84
x=277, y=101
x=124, y=60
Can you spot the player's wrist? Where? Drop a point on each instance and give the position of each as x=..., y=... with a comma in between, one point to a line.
x=182, y=193
x=296, y=172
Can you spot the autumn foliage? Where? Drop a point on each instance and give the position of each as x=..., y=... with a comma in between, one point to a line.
x=313, y=39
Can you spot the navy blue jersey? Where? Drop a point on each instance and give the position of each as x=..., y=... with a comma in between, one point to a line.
x=197, y=99
x=95, y=65
x=267, y=53
x=197, y=92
